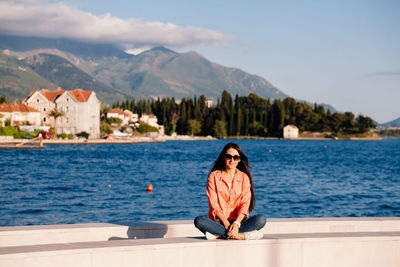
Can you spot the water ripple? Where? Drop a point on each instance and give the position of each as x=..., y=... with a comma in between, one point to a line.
x=107, y=183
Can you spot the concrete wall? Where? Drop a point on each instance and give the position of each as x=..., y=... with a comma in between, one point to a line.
x=287, y=242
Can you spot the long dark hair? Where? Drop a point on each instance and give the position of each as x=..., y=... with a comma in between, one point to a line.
x=243, y=166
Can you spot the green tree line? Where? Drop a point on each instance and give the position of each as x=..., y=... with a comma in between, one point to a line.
x=245, y=116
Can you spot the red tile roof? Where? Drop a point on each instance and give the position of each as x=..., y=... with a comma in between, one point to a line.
x=116, y=110
x=78, y=94
x=14, y=107
x=49, y=95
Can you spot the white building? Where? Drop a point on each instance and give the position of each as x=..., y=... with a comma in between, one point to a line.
x=209, y=102
x=290, y=132
x=19, y=114
x=80, y=108
x=125, y=116
x=152, y=121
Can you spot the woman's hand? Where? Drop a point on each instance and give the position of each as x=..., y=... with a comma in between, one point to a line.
x=226, y=225
x=223, y=219
x=233, y=230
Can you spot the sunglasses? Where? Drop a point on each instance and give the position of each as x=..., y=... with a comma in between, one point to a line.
x=229, y=156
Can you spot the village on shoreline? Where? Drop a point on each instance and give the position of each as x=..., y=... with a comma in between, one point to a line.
x=77, y=117
x=9, y=140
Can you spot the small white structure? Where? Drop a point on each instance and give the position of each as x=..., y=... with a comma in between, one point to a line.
x=149, y=119
x=209, y=102
x=19, y=114
x=152, y=121
x=115, y=113
x=290, y=132
x=125, y=116
x=132, y=117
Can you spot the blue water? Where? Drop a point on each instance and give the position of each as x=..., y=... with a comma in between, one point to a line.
x=107, y=183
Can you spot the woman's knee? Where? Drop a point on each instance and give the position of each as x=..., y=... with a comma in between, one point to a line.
x=198, y=221
x=260, y=220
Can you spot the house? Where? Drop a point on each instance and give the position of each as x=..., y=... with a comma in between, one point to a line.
x=149, y=119
x=116, y=113
x=290, y=132
x=80, y=110
x=19, y=114
x=132, y=117
x=43, y=101
x=152, y=121
x=209, y=102
x=125, y=116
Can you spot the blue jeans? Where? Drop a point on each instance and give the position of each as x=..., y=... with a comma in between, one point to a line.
x=205, y=224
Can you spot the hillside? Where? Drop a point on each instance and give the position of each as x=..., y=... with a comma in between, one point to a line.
x=115, y=75
x=393, y=123
x=66, y=75
x=17, y=79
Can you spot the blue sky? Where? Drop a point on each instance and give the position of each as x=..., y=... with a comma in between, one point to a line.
x=344, y=53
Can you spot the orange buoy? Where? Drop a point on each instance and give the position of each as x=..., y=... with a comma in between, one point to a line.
x=150, y=188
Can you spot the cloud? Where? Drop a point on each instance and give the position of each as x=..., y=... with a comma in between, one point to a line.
x=57, y=20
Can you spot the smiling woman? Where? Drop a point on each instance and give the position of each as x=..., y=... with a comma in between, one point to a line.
x=231, y=198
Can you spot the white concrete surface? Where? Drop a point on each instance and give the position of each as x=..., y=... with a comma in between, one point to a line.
x=68, y=233
x=319, y=242
x=291, y=250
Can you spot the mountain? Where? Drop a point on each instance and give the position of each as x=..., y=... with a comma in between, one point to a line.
x=85, y=50
x=66, y=75
x=19, y=77
x=393, y=123
x=116, y=75
x=17, y=80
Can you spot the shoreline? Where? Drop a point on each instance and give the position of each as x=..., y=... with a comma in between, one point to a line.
x=136, y=140
x=132, y=140
x=305, y=138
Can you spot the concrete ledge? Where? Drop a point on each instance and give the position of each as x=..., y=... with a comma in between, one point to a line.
x=300, y=249
x=70, y=233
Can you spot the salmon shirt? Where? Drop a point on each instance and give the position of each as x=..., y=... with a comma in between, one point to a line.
x=230, y=201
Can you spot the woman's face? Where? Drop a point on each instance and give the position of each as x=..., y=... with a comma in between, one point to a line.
x=232, y=158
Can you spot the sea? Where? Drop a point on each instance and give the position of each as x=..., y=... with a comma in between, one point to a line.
x=65, y=184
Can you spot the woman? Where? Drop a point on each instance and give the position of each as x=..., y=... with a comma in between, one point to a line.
x=231, y=198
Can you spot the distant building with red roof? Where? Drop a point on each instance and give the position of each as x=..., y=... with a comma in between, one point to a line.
x=19, y=114
x=80, y=108
x=126, y=116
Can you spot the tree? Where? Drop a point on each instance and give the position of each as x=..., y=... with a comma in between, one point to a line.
x=278, y=117
x=194, y=127
x=348, y=122
x=105, y=128
x=226, y=103
x=55, y=113
x=104, y=108
x=364, y=123
x=219, y=129
x=3, y=99
x=238, y=112
x=83, y=134
x=231, y=121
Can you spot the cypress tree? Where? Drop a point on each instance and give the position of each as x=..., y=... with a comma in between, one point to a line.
x=238, y=112
x=246, y=121
x=231, y=120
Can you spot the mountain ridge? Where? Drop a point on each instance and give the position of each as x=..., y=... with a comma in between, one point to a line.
x=116, y=75
x=392, y=123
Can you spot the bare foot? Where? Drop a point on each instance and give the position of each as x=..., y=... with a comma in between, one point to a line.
x=238, y=236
